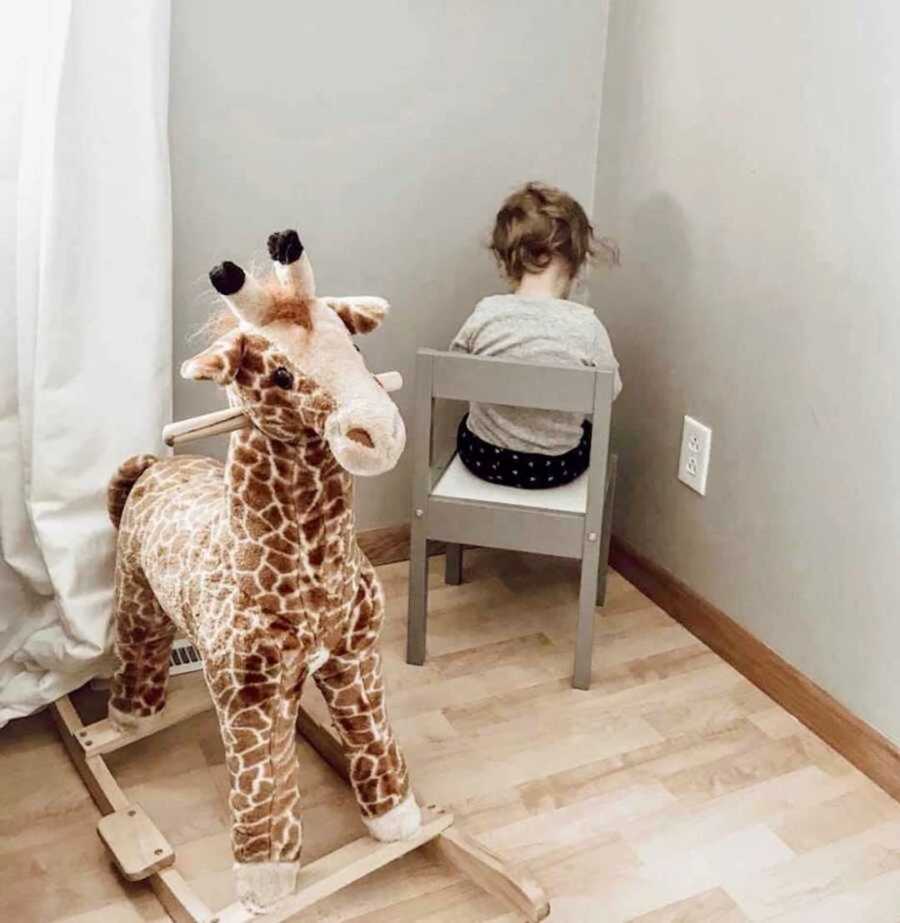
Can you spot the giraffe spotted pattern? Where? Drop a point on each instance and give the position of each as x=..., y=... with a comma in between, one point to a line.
x=257, y=562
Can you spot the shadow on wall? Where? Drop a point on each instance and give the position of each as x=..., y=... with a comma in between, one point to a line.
x=652, y=330
x=665, y=293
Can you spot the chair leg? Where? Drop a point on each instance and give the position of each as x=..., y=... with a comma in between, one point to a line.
x=606, y=532
x=453, y=566
x=417, y=616
x=584, y=630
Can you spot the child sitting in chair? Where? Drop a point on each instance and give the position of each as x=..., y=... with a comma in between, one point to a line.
x=542, y=240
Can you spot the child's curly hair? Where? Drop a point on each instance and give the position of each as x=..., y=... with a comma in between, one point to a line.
x=537, y=223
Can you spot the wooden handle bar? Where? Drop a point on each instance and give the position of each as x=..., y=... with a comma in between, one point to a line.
x=230, y=419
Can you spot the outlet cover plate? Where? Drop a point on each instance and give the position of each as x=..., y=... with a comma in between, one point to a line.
x=693, y=462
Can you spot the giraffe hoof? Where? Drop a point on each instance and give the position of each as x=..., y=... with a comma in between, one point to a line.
x=260, y=885
x=126, y=723
x=399, y=823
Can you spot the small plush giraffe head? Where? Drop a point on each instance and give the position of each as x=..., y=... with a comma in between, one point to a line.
x=289, y=363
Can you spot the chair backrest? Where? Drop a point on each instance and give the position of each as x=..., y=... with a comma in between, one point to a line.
x=457, y=376
x=504, y=381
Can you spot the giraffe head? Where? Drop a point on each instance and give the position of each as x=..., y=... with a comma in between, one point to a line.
x=289, y=363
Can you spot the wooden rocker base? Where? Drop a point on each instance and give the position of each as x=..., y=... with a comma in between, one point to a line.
x=141, y=852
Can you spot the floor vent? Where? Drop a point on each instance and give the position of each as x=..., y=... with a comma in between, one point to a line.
x=184, y=658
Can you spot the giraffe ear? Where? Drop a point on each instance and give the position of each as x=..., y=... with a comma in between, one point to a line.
x=359, y=314
x=219, y=362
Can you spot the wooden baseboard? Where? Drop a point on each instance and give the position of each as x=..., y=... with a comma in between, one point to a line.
x=390, y=544
x=868, y=750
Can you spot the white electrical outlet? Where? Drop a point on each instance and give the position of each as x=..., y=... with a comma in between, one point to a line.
x=693, y=463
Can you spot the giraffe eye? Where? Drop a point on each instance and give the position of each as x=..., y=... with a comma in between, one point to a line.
x=282, y=378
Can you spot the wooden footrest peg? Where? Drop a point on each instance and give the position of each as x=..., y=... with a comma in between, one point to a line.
x=136, y=845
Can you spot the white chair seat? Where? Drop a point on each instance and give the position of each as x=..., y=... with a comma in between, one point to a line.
x=458, y=483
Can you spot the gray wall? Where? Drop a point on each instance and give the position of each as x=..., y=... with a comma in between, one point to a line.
x=387, y=133
x=748, y=164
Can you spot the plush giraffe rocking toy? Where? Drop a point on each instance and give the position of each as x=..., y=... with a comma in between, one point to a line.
x=258, y=564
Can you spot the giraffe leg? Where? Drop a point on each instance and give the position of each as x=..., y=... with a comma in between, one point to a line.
x=351, y=683
x=256, y=688
x=143, y=643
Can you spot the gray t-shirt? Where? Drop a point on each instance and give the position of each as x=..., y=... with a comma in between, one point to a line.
x=535, y=330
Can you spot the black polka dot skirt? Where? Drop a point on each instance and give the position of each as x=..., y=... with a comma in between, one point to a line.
x=529, y=470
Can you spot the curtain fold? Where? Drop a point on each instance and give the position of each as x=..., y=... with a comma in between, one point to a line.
x=85, y=360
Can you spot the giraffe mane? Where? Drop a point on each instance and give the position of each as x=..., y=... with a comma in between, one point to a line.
x=285, y=305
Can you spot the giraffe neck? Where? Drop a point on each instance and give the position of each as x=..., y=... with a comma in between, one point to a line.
x=288, y=511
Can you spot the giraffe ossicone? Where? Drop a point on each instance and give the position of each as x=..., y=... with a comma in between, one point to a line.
x=257, y=562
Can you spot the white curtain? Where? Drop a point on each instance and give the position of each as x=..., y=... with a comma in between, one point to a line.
x=85, y=296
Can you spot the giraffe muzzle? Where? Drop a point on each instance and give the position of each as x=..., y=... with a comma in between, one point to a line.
x=366, y=437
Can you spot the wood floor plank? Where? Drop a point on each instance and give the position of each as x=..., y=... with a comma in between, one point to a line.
x=611, y=812
x=874, y=901
x=810, y=827
x=543, y=704
x=770, y=759
x=776, y=723
x=709, y=907
x=690, y=826
x=745, y=852
x=470, y=660
x=459, y=903
x=827, y=872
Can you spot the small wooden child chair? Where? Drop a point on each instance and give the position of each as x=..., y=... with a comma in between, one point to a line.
x=452, y=505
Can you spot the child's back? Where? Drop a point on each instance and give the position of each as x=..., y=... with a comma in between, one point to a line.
x=542, y=238
x=533, y=329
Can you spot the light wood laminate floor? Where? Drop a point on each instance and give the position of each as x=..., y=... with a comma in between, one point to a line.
x=673, y=791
